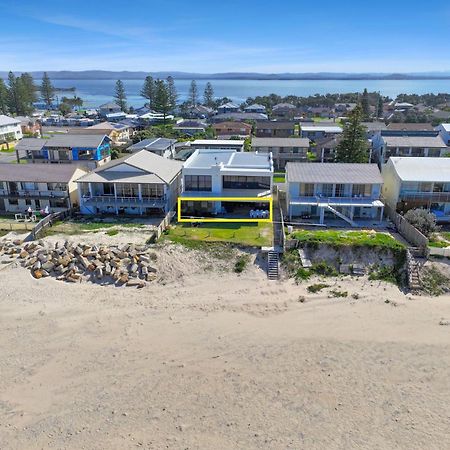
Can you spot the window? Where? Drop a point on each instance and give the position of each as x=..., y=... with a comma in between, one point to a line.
x=424, y=187
x=434, y=152
x=2, y=186
x=13, y=201
x=29, y=186
x=108, y=189
x=152, y=190
x=127, y=190
x=244, y=182
x=57, y=186
x=308, y=189
x=327, y=190
x=27, y=202
x=198, y=183
x=57, y=203
x=339, y=191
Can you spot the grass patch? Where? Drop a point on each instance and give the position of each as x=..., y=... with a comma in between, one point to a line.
x=434, y=282
x=279, y=177
x=340, y=238
x=338, y=294
x=112, y=232
x=241, y=263
x=251, y=235
x=314, y=288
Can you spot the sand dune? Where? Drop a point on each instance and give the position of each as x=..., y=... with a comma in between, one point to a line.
x=213, y=360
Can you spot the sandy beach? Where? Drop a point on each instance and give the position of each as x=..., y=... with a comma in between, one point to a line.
x=204, y=358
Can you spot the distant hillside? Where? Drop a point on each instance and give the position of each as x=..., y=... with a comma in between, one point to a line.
x=128, y=75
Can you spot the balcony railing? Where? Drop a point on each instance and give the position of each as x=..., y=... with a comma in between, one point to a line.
x=122, y=201
x=352, y=201
x=20, y=193
x=425, y=196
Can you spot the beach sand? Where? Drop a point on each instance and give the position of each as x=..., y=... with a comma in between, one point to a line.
x=208, y=359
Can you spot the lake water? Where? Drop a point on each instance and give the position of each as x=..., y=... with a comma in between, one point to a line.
x=96, y=92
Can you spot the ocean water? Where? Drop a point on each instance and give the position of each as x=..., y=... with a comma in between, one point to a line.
x=96, y=92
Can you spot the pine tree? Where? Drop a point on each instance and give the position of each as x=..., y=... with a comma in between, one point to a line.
x=47, y=90
x=14, y=97
x=3, y=98
x=353, y=147
x=172, y=90
x=148, y=90
x=380, y=105
x=208, y=95
x=161, y=101
x=120, y=96
x=193, y=93
x=365, y=105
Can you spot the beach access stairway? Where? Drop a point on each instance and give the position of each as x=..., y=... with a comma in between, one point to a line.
x=273, y=265
x=414, y=262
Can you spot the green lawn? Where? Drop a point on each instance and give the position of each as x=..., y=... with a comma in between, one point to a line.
x=279, y=177
x=5, y=150
x=249, y=234
x=358, y=238
x=72, y=227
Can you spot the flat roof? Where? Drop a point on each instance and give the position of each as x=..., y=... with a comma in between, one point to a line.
x=38, y=173
x=280, y=142
x=410, y=127
x=152, y=144
x=421, y=169
x=333, y=173
x=218, y=142
x=414, y=141
x=229, y=159
x=326, y=128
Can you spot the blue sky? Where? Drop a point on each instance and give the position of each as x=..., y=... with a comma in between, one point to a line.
x=225, y=36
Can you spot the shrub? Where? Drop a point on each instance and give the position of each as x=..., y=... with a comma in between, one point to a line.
x=384, y=273
x=302, y=274
x=335, y=293
x=434, y=282
x=322, y=268
x=241, y=263
x=112, y=232
x=317, y=287
x=423, y=220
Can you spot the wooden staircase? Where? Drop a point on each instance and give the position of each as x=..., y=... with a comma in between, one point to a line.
x=414, y=261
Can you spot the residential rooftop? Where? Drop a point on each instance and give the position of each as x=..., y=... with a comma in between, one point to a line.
x=6, y=120
x=218, y=142
x=148, y=168
x=422, y=169
x=324, y=128
x=229, y=159
x=276, y=125
x=152, y=144
x=414, y=141
x=280, y=142
x=342, y=173
x=42, y=173
x=410, y=127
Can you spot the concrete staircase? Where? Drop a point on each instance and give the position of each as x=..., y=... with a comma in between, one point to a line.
x=341, y=216
x=273, y=265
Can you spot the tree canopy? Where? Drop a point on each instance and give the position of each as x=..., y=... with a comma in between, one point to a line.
x=120, y=95
x=47, y=90
x=353, y=147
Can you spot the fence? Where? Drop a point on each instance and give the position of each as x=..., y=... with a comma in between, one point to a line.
x=408, y=231
x=16, y=226
x=47, y=221
x=164, y=224
x=435, y=251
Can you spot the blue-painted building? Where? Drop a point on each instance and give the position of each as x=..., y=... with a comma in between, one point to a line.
x=89, y=150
